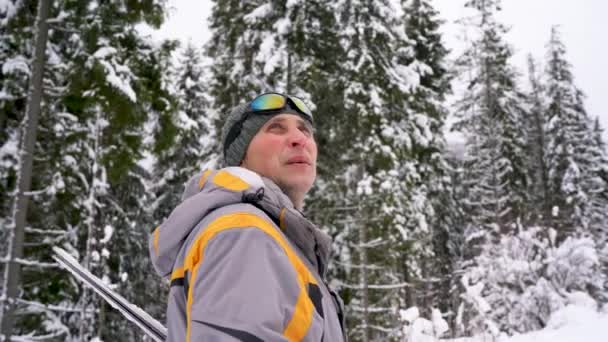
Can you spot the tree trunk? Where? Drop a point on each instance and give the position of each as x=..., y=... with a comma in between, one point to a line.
x=540, y=144
x=363, y=276
x=30, y=124
x=86, y=322
x=288, y=88
x=363, y=281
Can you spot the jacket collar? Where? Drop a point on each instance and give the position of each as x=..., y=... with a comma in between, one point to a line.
x=314, y=244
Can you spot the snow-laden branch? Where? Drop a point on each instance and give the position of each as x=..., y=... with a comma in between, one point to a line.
x=376, y=327
x=370, y=309
x=117, y=207
x=33, y=193
x=355, y=266
x=58, y=19
x=375, y=286
x=369, y=244
x=33, y=263
x=357, y=221
x=30, y=338
x=383, y=329
x=44, y=231
x=56, y=308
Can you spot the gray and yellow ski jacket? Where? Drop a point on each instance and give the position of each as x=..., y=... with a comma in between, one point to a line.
x=244, y=264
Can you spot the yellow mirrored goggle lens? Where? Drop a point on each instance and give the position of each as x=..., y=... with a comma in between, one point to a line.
x=301, y=105
x=268, y=102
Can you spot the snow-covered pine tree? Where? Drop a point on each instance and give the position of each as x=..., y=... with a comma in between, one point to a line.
x=599, y=218
x=8, y=138
x=130, y=267
x=191, y=149
x=237, y=34
x=102, y=82
x=394, y=85
x=456, y=239
x=574, y=154
x=15, y=51
x=428, y=58
x=181, y=147
x=537, y=145
x=599, y=184
x=490, y=114
x=371, y=33
x=599, y=180
x=29, y=128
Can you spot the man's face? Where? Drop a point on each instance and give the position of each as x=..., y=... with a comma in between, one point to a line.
x=285, y=151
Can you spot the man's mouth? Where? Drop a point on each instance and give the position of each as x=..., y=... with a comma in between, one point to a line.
x=298, y=160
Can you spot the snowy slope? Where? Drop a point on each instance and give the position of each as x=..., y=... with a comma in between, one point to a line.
x=570, y=324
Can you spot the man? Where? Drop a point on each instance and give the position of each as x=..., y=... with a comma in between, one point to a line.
x=244, y=263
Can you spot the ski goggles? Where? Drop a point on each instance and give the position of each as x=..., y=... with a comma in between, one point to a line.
x=276, y=101
x=269, y=103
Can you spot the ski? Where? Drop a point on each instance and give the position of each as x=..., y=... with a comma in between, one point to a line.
x=142, y=319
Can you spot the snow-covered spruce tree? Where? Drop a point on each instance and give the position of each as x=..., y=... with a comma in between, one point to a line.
x=371, y=33
x=101, y=84
x=191, y=149
x=537, y=145
x=15, y=51
x=576, y=158
x=29, y=127
x=130, y=266
x=392, y=99
x=428, y=59
x=574, y=154
x=177, y=146
x=599, y=216
x=490, y=114
x=455, y=239
x=233, y=45
x=599, y=219
x=600, y=179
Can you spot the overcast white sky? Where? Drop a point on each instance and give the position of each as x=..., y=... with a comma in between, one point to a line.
x=582, y=24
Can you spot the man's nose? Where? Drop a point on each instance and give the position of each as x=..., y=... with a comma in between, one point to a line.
x=297, y=138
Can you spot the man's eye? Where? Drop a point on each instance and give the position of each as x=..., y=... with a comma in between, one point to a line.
x=275, y=126
x=306, y=130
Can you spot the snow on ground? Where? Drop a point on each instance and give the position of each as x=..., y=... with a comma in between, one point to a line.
x=570, y=324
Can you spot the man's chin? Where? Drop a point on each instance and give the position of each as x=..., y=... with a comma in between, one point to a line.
x=294, y=183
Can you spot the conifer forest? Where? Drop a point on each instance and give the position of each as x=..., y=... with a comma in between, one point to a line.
x=101, y=126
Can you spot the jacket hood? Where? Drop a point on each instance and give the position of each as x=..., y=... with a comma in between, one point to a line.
x=213, y=189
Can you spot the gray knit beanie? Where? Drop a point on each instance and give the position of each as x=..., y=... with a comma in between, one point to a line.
x=241, y=126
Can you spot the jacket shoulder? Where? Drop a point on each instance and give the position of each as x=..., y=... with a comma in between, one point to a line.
x=238, y=212
x=231, y=217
